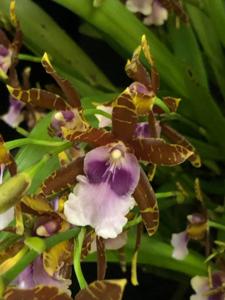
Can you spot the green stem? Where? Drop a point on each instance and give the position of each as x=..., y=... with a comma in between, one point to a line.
x=166, y=195
x=28, y=57
x=32, y=255
x=161, y=104
x=216, y=225
x=94, y=111
x=27, y=141
x=76, y=258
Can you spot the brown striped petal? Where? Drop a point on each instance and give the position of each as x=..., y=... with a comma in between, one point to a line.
x=40, y=292
x=147, y=203
x=179, y=139
x=63, y=178
x=124, y=117
x=157, y=151
x=71, y=94
x=93, y=136
x=103, y=290
x=39, y=98
x=136, y=71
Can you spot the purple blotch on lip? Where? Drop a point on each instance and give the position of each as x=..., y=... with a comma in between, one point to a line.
x=121, y=182
x=96, y=171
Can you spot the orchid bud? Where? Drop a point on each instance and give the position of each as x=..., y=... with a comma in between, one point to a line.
x=12, y=190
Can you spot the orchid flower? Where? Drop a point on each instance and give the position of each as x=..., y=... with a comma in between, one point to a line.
x=111, y=180
x=195, y=230
x=155, y=12
x=201, y=285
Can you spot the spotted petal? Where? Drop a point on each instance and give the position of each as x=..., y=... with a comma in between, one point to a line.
x=146, y=200
x=179, y=139
x=157, y=151
x=39, y=98
x=102, y=290
x=124, y=117
x=71, y=94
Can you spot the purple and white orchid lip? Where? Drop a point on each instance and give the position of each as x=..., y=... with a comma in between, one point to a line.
x=102, y=198
x=14, y=116
x=35, y=274
x=179, y=241
x=203, y=290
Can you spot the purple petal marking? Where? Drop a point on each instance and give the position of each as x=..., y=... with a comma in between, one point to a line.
x=122, y=175
x=121, y=182
x=35, y=274
x=96, y=170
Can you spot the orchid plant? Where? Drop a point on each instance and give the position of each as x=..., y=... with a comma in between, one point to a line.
x=110, y=174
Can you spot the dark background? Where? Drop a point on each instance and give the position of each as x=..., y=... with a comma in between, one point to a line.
x=151, y=286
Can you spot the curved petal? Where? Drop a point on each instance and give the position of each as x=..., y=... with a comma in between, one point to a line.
x=179, y=241
x=98, y=206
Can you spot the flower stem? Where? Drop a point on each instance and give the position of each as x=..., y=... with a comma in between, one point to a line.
x=216, y=225
x=95, y=111
x=161, y=104
x=28, y=57
x=26, y=141
x=76, y=258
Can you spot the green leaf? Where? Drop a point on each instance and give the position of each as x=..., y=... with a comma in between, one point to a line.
x=210, y=43
x=46, y=36
x=122, y=28
x=183, y=38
